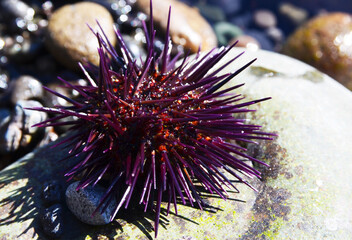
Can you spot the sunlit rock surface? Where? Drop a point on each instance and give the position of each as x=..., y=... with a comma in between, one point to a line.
x=304, y=195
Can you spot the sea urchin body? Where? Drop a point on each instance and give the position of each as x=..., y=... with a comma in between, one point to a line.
x=154, y=129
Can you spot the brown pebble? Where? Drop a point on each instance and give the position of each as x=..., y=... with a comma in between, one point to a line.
x=188, y=28
x=68, y=37
x=326, y=43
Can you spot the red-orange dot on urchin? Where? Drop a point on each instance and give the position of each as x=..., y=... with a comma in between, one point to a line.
x=156, y=125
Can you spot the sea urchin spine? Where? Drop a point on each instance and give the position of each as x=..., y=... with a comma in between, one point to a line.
x=154, y=129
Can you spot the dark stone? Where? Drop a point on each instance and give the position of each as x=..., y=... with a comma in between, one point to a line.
x=230, y=6
x=51, y=220
x=4, y=117
x=26, y=50
x=46, y=64
x=84, y=202
x=51, y=192
x=243, y=21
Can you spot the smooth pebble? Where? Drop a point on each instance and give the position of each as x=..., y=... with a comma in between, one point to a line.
x=26, y=118
x=25, y=87
x=84, y=202
x=264, y=18
x=68, y=37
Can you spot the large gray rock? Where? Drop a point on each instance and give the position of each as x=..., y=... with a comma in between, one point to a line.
x=306, y=194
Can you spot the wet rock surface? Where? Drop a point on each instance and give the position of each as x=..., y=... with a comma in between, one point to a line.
x=327, y=41
x=304, y=194
x=51, y=220
x=188, y=28
x=68, y=37
x=51, y=193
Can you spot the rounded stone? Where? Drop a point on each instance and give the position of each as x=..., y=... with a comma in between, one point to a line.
x=246, y=41
x=275, y=34
x=24, y=88
x=68, y=37
x=264, y=18
x=25, y=118
x=84, y=202
x=326, y=43
x=293, y=14
x=188, y=28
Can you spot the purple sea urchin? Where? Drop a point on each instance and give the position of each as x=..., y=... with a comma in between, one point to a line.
x=156, y=126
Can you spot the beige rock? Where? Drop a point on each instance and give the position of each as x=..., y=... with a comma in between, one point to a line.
x=68, y=37
x=188, y=28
